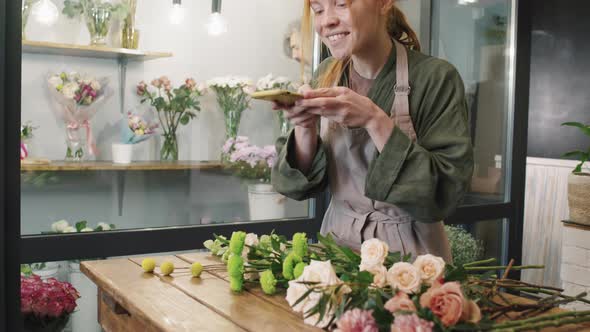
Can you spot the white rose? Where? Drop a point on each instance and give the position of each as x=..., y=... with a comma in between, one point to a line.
x=59, y=226
x=251, y=240
x=379, y=275
x=86, y=229
x=373, y=253
x=69, y=229
x=321, y=272
x=55, y=81
x=404, y=277
x=431, y=267
x=95, y=85
x=104, y=226
x=69, y=90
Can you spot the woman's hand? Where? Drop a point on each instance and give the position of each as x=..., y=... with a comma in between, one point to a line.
x=297, y=115
x=341, y=105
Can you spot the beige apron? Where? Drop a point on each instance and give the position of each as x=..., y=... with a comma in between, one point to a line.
x=352, y=217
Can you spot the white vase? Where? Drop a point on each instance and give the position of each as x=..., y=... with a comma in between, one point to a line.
x=265, y=203
x=85, y=317
x=122, y=153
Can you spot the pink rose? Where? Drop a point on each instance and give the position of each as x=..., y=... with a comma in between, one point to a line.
x=401, y=301
x=157, y=83
x=471, y=312
x=411, y=323
x=445, y=301
x=357, y=320
x=142, y=88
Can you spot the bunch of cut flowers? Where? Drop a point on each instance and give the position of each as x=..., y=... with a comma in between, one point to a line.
x=333, y=287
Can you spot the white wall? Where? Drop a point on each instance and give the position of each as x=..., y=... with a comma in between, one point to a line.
x=252, y=47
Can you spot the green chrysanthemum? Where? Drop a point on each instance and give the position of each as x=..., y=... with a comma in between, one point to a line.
x=300, y=244
x=298, y=270
x=268, y=282
x=289, y=264
x=235, y=266
x=265, y=242
x=236, y=284
x=236, y=244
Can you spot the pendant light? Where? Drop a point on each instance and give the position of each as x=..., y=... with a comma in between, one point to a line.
x=177, y=12
x=45, y=12
x=216, y=24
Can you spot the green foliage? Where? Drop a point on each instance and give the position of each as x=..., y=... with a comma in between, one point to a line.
x=464, y=247
x=582, y=156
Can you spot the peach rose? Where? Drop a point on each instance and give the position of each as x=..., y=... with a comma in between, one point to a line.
x=401, y=301
x=404, y=277
x=431, y=267
x=471, y=312
x=445, y=301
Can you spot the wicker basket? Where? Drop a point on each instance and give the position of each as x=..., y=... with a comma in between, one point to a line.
x=579, y=197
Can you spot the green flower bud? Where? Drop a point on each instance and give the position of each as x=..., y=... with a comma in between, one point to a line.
x=268, y=282
x=289, y=264
x=298, y=270
x=235, y=266
x=236, y=284
x=300, y=244
x=236, y=244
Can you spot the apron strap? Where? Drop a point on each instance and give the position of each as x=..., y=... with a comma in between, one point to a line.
x=400, y=110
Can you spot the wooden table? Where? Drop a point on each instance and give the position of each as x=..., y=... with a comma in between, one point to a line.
x=131, y=300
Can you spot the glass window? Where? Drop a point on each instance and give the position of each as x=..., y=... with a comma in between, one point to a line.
x=476, y=37
x=103, y=149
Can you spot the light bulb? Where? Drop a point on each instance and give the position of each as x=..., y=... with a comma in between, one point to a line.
x=216, y=24
x=45, y=12
x=177, y=13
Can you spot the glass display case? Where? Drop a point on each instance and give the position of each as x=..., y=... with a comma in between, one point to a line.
x=123, y=169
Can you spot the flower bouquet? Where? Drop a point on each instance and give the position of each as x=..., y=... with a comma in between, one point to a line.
x=332, y=286
x=79, y=98
x=46, y=305
x=173, y=106
x=233, y=97
x=253, y=164
x=26, y=133
x=269, y=82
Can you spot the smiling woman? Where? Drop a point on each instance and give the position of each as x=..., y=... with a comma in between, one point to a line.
x=398, y=159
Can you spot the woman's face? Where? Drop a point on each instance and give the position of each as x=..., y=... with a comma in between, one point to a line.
x=348, y=27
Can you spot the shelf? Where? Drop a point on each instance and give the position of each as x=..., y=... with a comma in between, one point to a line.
x=577, y=225
x=37, y=47
x=59, y=166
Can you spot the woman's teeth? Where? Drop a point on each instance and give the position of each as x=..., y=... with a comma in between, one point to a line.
x=337, y=37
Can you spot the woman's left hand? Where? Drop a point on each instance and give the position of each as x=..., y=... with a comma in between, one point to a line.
x=342, y=105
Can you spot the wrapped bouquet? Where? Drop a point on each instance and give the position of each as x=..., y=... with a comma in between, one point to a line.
x=78, y=98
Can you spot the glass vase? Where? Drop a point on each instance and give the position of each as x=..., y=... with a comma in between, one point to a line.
x=169, y=150
x=232, y=122
x=75, y=144
x=27, y=6
x=98, y=20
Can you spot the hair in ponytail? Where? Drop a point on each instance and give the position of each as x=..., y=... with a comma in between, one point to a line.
x=397, y=27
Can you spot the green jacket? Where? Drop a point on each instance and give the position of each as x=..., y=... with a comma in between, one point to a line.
x=427, y=178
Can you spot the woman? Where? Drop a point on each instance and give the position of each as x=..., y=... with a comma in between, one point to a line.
x=397, y=158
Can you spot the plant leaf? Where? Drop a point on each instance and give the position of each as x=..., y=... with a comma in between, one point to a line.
x=80, y=225
x=583, y=128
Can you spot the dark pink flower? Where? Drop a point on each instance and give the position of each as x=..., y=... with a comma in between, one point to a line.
x=446, y=301
x=357, y=320
x=411, y=323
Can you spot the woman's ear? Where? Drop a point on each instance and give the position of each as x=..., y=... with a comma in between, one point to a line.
x=385, y=6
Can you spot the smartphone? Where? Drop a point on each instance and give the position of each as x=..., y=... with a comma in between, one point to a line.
x=283, y=97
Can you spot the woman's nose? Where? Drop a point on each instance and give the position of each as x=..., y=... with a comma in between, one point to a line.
x=330, y=18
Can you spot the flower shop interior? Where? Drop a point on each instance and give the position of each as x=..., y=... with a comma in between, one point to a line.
x=145, y=170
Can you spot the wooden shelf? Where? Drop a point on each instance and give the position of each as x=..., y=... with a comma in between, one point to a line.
x=59, y=166
x=37, y=47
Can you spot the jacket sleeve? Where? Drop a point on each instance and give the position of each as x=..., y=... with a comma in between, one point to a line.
x=429, y=177
x=290, y=181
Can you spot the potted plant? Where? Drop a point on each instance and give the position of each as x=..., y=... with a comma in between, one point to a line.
x=253, y=164
x=233, y=97
x=173, y=107
x=97, y=14
x=46, y=305
x=579, y=181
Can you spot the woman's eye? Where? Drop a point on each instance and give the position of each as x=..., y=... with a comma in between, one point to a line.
x=342, y=4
